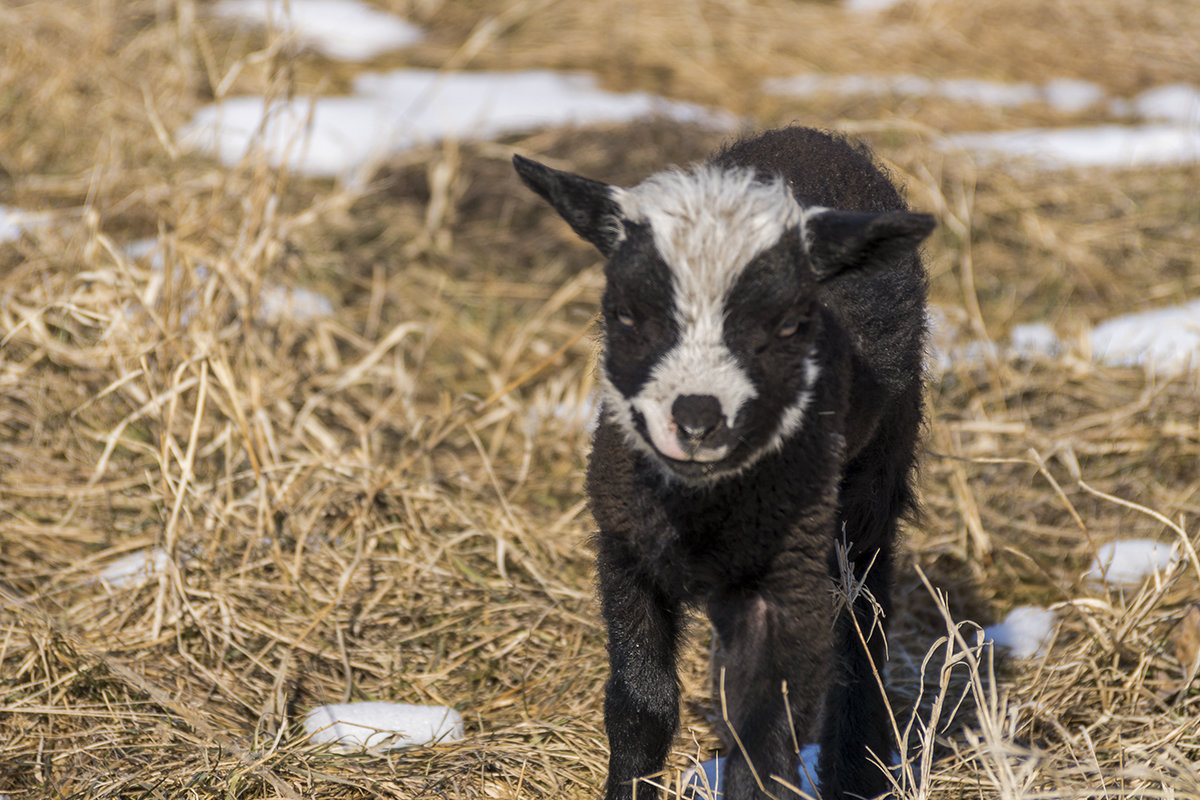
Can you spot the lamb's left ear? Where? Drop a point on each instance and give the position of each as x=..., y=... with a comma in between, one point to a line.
x=587, y=205
x=845, y=240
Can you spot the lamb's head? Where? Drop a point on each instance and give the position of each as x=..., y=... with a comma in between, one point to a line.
x=710, y=306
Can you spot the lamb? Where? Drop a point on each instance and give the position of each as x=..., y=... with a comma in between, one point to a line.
x=763, y=341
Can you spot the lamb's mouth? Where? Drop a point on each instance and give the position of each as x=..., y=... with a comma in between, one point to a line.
x=699, y=455
x=664, y=437
x=687, y=457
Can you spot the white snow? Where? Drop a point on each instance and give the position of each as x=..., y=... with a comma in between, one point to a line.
x=1170, y=135
x=706, y=778
x=1166, y=340
x=135, y=568
x=1071, y=95
x=1025, y=631
x=869, y=5
x=1128, y=562
x=382, y=726
x=1034, y=339
x=13, y=221
x=1063, y=94
x=572, y=413
x=482, y=105
x=321, y=137
x=347, y=30
x=1115, y=146
x=947, y=348
x=390, y=112
x=145, y=248
x=1176, y=102
x=277, y=303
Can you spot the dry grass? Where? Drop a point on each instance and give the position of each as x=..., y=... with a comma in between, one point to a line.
x=386, y=503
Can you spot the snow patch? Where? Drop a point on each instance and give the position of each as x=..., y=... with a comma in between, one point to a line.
x=946, y=350
x=394, y=111
x=135, y=569
x=1115, y=146
x=347, y=30
x=575, y=412
x=1176, y=102
x=1166, y=340
x=1071, y=95
x=275, y=303
x=14, y=222
x=1025, y=631
x=1034, y=339
x=279, y=303
x=706, y=782
x=382, y=726
x=869, y=6
x=1170, y=135
x=1128, y=562
x=148, y=249
x=320, y=137
x=1064, y=95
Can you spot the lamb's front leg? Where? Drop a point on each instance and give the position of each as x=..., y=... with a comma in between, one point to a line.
x=641, y=702
x=770, y=673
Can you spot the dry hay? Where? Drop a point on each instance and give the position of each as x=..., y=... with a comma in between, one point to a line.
x=386, y=503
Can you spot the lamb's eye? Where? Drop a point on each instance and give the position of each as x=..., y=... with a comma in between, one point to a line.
x=789, y=327
x=625, y=319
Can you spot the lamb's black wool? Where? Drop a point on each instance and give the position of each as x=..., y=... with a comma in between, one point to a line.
x=764, y=332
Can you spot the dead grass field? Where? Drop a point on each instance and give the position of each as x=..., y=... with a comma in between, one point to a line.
x=386, y=504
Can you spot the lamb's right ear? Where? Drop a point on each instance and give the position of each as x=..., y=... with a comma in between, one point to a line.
x=839, y=241
x=586, y=205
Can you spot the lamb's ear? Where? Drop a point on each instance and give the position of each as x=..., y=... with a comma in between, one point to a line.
x=587, y=205
x=845, y=240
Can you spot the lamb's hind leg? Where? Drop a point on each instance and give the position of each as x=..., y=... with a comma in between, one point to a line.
x=857, y=728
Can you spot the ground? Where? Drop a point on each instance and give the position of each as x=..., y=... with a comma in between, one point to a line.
x=383, y=500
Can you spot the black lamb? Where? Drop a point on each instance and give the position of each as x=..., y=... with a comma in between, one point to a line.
x=764, y=331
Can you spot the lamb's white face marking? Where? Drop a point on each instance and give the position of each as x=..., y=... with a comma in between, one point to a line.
x=707, y=224
x=793, y=415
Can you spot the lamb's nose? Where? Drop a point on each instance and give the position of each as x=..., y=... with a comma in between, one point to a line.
x=697, y=415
